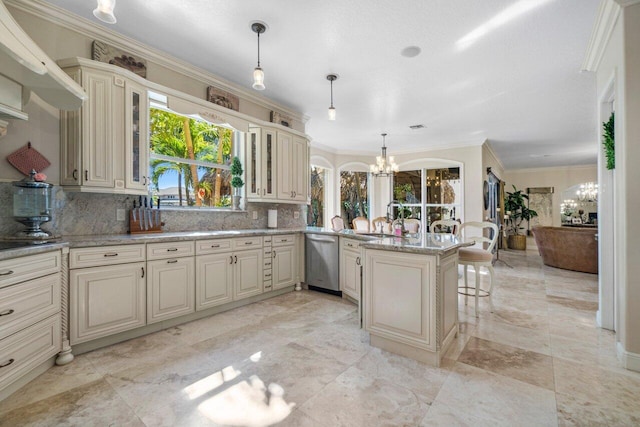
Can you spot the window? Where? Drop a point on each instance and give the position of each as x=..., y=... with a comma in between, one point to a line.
x=428, y=194
x=315, y=213
x=353, y=196
x=189, y=160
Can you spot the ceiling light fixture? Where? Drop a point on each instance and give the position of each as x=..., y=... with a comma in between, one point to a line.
x=383, y=167
x=258, y=74
x=104, y=11
x=332, y=111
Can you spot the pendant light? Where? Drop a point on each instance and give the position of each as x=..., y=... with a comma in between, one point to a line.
x=384, y=166
x=104, y=11
x=258, y=74
x=332, y=111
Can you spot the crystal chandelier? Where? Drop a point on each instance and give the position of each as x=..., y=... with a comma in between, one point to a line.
x=384, y=166
x=588, y=192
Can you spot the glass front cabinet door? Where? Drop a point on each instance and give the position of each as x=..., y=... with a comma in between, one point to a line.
x=136, y=137
x=260, y=164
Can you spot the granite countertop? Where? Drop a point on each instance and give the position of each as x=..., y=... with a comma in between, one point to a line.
x=415, y=243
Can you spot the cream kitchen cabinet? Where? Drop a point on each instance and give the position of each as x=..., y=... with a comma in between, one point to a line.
x=30, y=319
x=277, y=166
x=107, y=291
x=293, y=167
x=104, y=144
x=247, y=273
x=284, y=261
x=350, y=262
x=261, y=164
x=214, y=280
x=171, y=285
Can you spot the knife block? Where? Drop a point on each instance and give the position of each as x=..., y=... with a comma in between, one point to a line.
x=136, y=227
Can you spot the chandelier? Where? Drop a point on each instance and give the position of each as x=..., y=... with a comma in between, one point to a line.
x=588, y=192
x=384, y=166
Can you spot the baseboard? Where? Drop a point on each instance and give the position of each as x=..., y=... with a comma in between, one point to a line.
x=629, y=360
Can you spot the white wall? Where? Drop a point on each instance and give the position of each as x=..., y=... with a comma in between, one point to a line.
x=560, y=178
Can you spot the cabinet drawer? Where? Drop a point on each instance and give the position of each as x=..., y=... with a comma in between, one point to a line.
x=28, y=267
x=170, y=250
x=105, y=255
x=267, y=240
x=350, y=244
x=284, y=240
x=204, y=247
x=247, y=243
x=27, y=303
x=28, y=348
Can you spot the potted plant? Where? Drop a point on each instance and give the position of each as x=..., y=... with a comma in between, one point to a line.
x=517, y=211
x=236, y=181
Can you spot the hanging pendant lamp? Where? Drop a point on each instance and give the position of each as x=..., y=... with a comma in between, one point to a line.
x=104, y=11
x=258, y=74
x=332, y=110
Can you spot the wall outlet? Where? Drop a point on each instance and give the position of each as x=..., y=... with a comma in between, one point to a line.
x=255, y=214
x=120, y=214
x=296, y=215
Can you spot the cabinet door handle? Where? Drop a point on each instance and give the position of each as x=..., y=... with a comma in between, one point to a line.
x=172, y=250
x=215, y=246
x=144, y=180
x=6, y=273
x=7, y=363
x=142, y=268
x=110, y=254
x=74, y=174
x=258, y=191
x=235, y=259
x=86, y=175
x=172, y=261
x=274, y=254
x=230, y=259
x=7, y=312
x=358, y=261
x=295, y=194
x=264, y=191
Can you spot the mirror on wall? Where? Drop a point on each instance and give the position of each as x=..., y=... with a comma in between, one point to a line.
x=579, y=205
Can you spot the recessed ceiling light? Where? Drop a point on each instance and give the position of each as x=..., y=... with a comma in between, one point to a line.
x=410, y=51
x=414, y=127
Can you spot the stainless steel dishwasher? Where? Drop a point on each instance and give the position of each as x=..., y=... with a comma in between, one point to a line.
x=322, y=263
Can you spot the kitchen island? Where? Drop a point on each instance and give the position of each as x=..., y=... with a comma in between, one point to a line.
x=410, y=294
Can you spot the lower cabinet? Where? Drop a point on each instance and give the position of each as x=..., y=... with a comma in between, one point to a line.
x=106, y=300
x=350, y=262
x=171, y=288
x=214, y=280
x=284, y=266
x=247, y=266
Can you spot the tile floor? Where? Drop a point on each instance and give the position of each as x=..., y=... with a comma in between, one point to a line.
x=300, y=360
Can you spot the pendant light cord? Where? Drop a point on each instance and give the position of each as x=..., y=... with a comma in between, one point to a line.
x=258, y=49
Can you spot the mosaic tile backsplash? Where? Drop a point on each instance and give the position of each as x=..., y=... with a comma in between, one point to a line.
x=95, y=214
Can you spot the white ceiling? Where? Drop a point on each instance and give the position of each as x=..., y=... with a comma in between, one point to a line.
x=518, y=83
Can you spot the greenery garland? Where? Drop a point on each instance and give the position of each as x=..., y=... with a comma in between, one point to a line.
x=609, y=142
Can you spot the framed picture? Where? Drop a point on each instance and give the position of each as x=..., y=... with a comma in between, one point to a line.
x=112, y=55
x=281, y=119
x=576, y=220
x=222, y=98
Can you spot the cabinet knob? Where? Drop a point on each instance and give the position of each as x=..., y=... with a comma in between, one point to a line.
x=235, y=259
x=142, y=272
x=74, y=174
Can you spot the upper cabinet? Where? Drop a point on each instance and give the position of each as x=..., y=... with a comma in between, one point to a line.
x=277, y=166
x=105, y=143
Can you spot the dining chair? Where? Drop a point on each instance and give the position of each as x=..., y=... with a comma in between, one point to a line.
x=445, y=224
x=337, y=223
x=360, y=223
x=381, y=225
x=477, y=257
x=412, y=225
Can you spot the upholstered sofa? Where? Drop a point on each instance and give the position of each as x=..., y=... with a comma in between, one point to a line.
x=570, y=248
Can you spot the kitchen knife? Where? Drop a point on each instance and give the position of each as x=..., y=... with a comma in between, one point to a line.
x=158, y=213
x=148, y=211
x=143, y=219
x=133, y=211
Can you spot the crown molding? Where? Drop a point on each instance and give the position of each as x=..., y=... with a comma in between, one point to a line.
x=550, y=168
x=608, y=14
x=78, y=24
x=493, y=153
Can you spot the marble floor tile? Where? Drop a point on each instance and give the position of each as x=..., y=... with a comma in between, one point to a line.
x=474, y=397
x=527, y=366
x=92, y=404
x=576, y=412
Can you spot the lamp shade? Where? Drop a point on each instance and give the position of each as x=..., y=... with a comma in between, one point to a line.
x=332, y=113
x=104, y=11
x=258, y=79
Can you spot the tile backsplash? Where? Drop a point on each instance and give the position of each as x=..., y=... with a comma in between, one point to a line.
x=95, y=214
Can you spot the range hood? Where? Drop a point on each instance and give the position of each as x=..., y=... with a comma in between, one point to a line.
x=25, y=68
